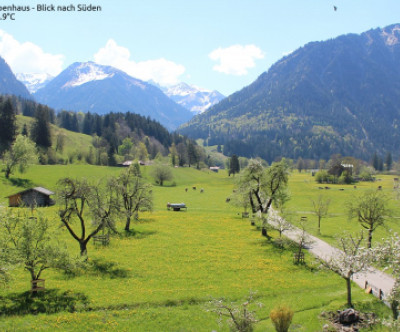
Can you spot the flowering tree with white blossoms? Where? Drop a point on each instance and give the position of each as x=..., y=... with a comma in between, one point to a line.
x=387, y=254
x=352, y=258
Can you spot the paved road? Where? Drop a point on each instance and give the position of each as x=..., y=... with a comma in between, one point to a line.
x=380, y=282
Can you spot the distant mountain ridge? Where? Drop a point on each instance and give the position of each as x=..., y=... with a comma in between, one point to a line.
x=34, y=81
x=9, y=83
x=102, y=89
x=193, y=98
x=337, y=96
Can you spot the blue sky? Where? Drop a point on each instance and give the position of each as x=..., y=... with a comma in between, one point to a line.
x=215, y=44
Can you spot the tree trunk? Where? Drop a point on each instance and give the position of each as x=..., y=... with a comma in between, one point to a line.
x=394, y=305
x=369, y=238
x=319, y=225
x=8, y=172
x=34, y=292
x=33, y=278
x=253, y=207
x=83, y=247
x=264, y=232
x=128, y=223
x=348, y=285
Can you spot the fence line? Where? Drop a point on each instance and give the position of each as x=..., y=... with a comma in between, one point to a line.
x=377, y=292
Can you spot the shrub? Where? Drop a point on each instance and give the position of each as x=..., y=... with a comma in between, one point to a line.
x=240, y=317
x=281, y=317
x=367, y=174
x=324, y=177
x=345, y=178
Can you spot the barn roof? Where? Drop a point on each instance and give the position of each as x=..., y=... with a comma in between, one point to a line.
x=41, y=190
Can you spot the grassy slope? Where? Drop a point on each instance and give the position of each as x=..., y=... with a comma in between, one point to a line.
x=164, y=275
x=73, y=141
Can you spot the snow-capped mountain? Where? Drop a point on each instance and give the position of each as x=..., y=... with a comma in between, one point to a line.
x=34, y=81
x=193, y=98
x=103, y=89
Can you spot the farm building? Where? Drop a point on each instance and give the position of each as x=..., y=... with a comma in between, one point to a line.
x=126, y=163
x=37, y=196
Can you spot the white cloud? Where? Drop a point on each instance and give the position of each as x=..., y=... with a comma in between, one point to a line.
x=162, y=71
x=28, y=57
x=236, y=59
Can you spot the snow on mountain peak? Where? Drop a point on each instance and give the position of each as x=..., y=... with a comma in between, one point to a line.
x=391, y=36
x=184, y=89
x=88, y=72
x=34, y=81
x=192, y=97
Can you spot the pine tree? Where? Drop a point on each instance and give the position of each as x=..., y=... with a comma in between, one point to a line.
x=388, y=161
x=380, y=164
x=375, y=161
x=192, y=154
x=24, y=130
x=41, y=134
x=88, y=124
x=8, y=126
x=234, y=166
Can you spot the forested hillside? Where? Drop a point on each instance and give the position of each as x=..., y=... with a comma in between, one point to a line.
x=337, y=96
x=108, y=139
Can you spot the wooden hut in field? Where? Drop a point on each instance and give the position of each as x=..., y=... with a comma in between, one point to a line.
x=37, y=196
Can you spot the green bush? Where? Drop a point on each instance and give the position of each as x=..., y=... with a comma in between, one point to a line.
x=325, y=177
x=345, y=178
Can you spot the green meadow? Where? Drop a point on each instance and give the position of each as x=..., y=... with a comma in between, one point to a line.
x=161, y=277
x=304, y=189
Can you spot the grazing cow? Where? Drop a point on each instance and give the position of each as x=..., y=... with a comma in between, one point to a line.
x=202, y=190
x=186, y=189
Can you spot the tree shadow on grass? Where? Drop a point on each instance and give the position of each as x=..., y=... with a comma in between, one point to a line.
x=96, y=267
x=106, y=269
x=284, y=246
x=137, y=234
x=145, y=221
x=17, y=182
x=48, y=301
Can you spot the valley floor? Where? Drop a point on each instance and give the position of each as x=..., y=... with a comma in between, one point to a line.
x=162, y=276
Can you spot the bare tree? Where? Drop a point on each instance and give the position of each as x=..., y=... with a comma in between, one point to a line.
x=80, y=202
x=370, y=210
x=320, y=209
x=352, y=258
x=135, y=193
x=279, y=223
x=303, y=239
x=240, y=317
